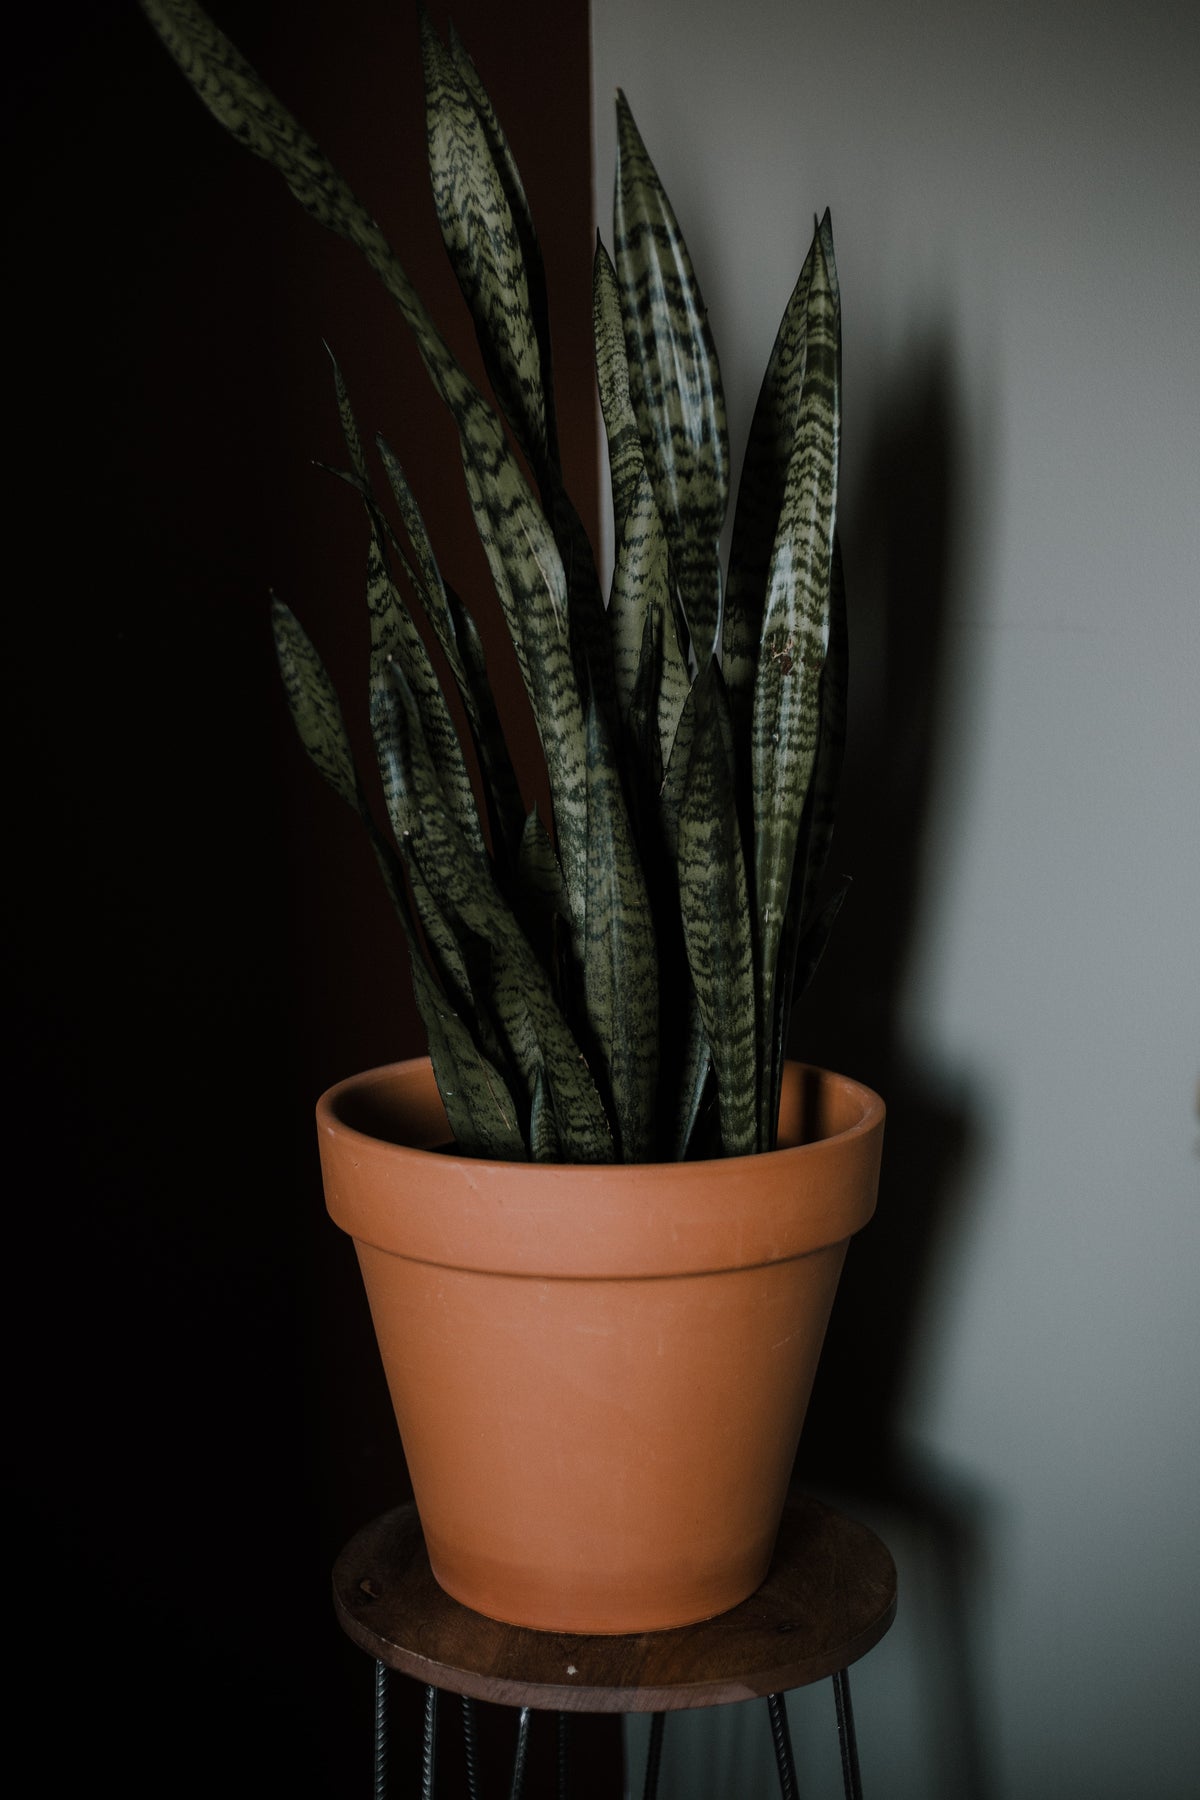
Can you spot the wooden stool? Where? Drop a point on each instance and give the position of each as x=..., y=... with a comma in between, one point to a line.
x=828, y=1599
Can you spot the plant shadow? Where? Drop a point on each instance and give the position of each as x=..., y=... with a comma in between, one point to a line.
x=909, y=674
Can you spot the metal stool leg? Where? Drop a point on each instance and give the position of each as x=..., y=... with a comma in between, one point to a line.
x=381, y=1730
x=654, y=1755
x=518, y=1776
x=784, y=1761
x=469, y=1743
x=429, y=1747
x=564, y=1759
x=851, y=1781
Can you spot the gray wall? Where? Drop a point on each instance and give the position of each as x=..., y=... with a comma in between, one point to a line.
x=1014, y=197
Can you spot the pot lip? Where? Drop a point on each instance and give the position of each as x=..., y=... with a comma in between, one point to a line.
x=871, y=1117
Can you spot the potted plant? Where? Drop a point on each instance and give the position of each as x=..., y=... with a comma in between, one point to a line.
x=601, y=1225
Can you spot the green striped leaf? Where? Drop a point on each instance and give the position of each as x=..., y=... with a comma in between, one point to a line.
x=543, y=1136
x=533, y=1029
x=473, y=188
x=395, y=640
x=621, y=967
x=714, y=901
x=484, y=1119
x=795, y=634
x=768, y=454
x=640, y=587
x=540, y=898
x=481, y=1111
x=313, y=703
x=625, y=460
x=675, y=379
x=821, y=809
x=488, y=231
x=460, y=643
x=693, y=1076
x=524, y=559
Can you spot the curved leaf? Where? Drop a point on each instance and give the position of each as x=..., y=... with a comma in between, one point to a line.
x=534, y=1030
x=460, y=643
x=472, y=186
x=625, y=460
x=795, y=637
x=621, y=967
x=714, y=901
x=483, y=1117
x=396, y=641
x=522, y=554
x=761, y=488
x=675, y=380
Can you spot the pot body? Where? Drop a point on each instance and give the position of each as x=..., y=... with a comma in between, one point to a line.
x=599, y=1373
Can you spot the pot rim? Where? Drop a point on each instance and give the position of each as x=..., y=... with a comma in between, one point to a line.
x=871, y=1116
x=596, y=1220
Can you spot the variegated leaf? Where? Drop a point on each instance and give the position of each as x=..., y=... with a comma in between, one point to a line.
x=693, y=1074
x=543, y=1137
x=482, y=239
x=639, y=588
x=714, y=902
x=522, y=217
x=539, y=878
x=313, y=703
x=522, y=554
x=817, y=828
x=488, y=231
x=795, y=637
x=460, y=643
x=765, y=465
x=483, y=1117
x=464, y=894
x=395, y=640
x=621, y=967
x=675, y=380
x=625, y=460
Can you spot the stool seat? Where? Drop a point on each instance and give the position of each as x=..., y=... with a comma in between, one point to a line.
x=829, y=1597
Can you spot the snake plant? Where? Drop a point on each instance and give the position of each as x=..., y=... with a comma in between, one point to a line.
x=613, y=983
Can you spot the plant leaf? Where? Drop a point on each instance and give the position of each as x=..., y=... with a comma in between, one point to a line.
x=621, y=969
x=521, y=551
x=395, y=640
x=714, y=901
x=460, y=643
x=464, y=892
x=625, y=460
x=768, y=455
x=820, y=812
x=675, y=380
x=795, y=635
x=473, y=188
x=484, y=1120
x=313, y=703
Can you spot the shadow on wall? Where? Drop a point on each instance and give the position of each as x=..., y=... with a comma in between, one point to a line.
x=909, y=507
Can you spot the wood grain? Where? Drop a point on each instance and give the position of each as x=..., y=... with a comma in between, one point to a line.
x=830, y=1597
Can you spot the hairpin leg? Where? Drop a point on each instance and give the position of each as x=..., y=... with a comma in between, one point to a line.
x=469, y=1746
x=518, y=1776
x=429, y=1747
x=784, y=1761
x=381, y=1730
x=851, y=1781
x=564, y=1759
x=654, y=1755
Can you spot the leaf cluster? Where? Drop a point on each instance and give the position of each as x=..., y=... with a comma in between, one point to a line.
x=614, y=983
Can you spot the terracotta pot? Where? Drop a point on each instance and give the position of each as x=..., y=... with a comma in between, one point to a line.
x=599, y=1373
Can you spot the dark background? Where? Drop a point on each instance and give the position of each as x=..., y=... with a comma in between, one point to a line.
x=197, y=943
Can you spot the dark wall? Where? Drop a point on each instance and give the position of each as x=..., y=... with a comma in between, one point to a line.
x=197, y=943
